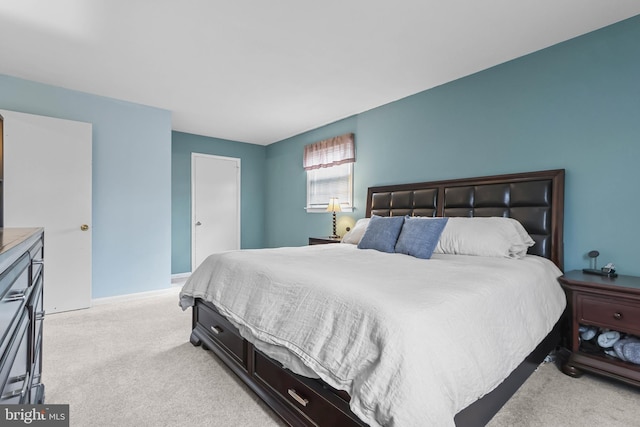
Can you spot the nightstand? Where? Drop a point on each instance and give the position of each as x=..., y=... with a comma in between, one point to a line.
x=323, y=240
x=608, y=304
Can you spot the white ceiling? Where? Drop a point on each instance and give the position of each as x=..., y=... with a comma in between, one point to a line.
x=260, y=71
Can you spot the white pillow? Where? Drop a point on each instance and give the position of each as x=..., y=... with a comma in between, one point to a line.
x=524, y=236
x=484, y=236
x=354, y=235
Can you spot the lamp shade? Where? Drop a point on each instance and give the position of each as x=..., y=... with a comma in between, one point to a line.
x=334, y=205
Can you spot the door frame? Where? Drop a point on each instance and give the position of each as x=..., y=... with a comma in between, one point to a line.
x=195, y=155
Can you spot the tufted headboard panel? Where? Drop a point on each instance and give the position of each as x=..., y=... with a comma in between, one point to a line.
x=536, y=199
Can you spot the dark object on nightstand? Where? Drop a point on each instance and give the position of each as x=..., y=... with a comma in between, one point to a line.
x=323, y=240
x=606, y=303
x=608, y=270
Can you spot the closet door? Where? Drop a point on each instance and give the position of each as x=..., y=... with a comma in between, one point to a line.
x=47, y=183
x=215, y=203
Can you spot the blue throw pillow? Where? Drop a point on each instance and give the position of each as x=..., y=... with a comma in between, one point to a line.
x=382, y=233
x=419, y=236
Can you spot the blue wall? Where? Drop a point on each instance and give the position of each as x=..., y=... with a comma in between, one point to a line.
x=252, y=192
x=287, y=222
x=131, y=182
x=575, y=106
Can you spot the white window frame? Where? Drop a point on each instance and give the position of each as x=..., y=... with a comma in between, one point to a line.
x=346, y=199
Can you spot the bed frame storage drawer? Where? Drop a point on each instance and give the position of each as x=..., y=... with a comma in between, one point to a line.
x=223, y=333
x=302, y=394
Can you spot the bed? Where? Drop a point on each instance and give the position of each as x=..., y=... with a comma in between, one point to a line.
x=343, y=336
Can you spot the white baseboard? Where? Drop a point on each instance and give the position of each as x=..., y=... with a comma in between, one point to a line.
x=138, y=295
x=177, y=280
x=180, y=277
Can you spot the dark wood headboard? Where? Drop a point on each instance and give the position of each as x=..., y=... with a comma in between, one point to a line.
x=536, y=199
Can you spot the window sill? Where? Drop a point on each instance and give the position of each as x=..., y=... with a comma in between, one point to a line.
x=324, y=210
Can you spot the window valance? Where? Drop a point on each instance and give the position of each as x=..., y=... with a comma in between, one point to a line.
x=329, y=152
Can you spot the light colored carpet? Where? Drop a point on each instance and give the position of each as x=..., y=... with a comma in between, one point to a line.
x=549, y=398
x=131, y=364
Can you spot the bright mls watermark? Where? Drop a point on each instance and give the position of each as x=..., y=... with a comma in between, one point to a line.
x=34, y=415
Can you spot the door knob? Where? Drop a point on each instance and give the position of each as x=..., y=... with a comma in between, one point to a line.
x=84, y=227
x=198, y=223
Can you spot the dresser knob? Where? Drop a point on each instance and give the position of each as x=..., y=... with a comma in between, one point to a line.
x=617, y=316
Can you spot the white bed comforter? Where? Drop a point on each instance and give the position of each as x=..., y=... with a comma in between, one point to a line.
x=412, y=341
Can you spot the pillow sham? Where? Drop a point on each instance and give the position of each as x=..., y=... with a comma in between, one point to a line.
x=354, y=235
x=526, y=239
x=484, y=236
x=419, y=236
x=382, y=233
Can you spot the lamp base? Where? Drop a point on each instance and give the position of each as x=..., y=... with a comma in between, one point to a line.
x=334, y=235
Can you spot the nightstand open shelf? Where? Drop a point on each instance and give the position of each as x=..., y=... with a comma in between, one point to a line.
x=608, y=304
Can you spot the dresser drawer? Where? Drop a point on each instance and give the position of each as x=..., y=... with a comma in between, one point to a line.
x=14, y=366
x=223, y=333
x=36, y=250
x=37, y=388
x=36, y=253
x=14, y=291
x=36, y=314
x=619, y=315
x=15, y=278
x=300, y=396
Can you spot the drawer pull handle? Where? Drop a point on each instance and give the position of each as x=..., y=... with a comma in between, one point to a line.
x=15, y=297
x=40, y=315
x=21, y=392
x=38, y=261
x=216, y=329
x=301, y=400
x=617, y=315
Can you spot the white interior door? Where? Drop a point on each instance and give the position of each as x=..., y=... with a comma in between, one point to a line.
x=215, y=200
x=47, y=183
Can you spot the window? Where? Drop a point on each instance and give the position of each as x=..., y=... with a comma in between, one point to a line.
x=329, y=166
x=325, y=183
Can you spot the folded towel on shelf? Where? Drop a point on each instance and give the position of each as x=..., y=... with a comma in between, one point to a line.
x=631, y=352
x=618, y=346
x=587, y=332
x=608, y=339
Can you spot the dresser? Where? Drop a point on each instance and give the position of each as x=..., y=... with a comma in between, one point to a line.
x=606, y=304
x=21, y=315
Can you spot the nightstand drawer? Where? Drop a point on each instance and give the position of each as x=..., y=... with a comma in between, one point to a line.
x=619, y=315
